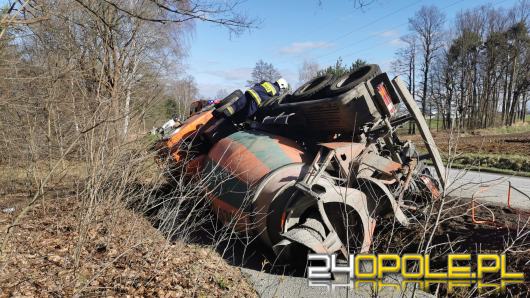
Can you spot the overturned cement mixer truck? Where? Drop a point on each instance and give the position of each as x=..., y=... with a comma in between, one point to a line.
x=315, y=169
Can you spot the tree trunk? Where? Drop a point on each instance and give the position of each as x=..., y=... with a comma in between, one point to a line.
x=525, y=104
x=504, y=96
x=425, y=81
x=127, y=111
x=449, y=99
x=511, y=93
x=412, y=86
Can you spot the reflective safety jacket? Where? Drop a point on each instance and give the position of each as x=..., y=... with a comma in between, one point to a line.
x=247, y=105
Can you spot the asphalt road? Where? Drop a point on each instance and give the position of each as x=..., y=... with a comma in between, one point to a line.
x=271, y=285
x=490, y=188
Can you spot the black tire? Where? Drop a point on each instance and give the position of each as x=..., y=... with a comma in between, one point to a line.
x=352, y=79
x=229, y=99
x=222, y=106
x=311, y=88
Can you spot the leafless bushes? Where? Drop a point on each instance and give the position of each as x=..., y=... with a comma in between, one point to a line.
x=181, y=207
x=81, y=82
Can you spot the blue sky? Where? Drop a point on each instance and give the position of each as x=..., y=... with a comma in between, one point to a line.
x=294, y=30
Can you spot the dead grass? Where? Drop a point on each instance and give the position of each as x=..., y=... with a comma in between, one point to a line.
x=15, y=179
x=121, y=254
x=518, y=127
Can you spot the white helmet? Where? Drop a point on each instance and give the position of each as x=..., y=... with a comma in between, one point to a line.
x=282, y=83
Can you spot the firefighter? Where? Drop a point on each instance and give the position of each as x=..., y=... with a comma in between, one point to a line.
x=247, y=104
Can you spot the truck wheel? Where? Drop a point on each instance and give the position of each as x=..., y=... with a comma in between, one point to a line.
x=312, y=88
x=223, y=106
x=229, y=99
x=352, y=79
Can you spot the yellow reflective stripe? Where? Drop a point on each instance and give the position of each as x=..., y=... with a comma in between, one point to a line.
x=230, y=110
x=255, y=96
x=269, y=88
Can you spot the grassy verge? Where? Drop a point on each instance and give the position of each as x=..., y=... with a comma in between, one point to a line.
x=509, y=164
x=491, y=170
x=513, y=162
x=518, y=127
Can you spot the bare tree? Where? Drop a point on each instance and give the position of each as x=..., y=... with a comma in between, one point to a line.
x=77, y=84
x=427, y=24
x=307, y=71
x=221, y=93
x=264, y=71
x=224, y=13
x=405, y=63
x=185, y=92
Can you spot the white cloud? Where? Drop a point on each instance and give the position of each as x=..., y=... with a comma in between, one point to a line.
x=209, y=90
x=212, y=80
x=234, y=74
x=389, y=33
x=300, y=47
x=396, y=42
x=392, y=37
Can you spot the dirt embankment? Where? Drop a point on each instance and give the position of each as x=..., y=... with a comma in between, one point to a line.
x=60, y=250
x=504, y=153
